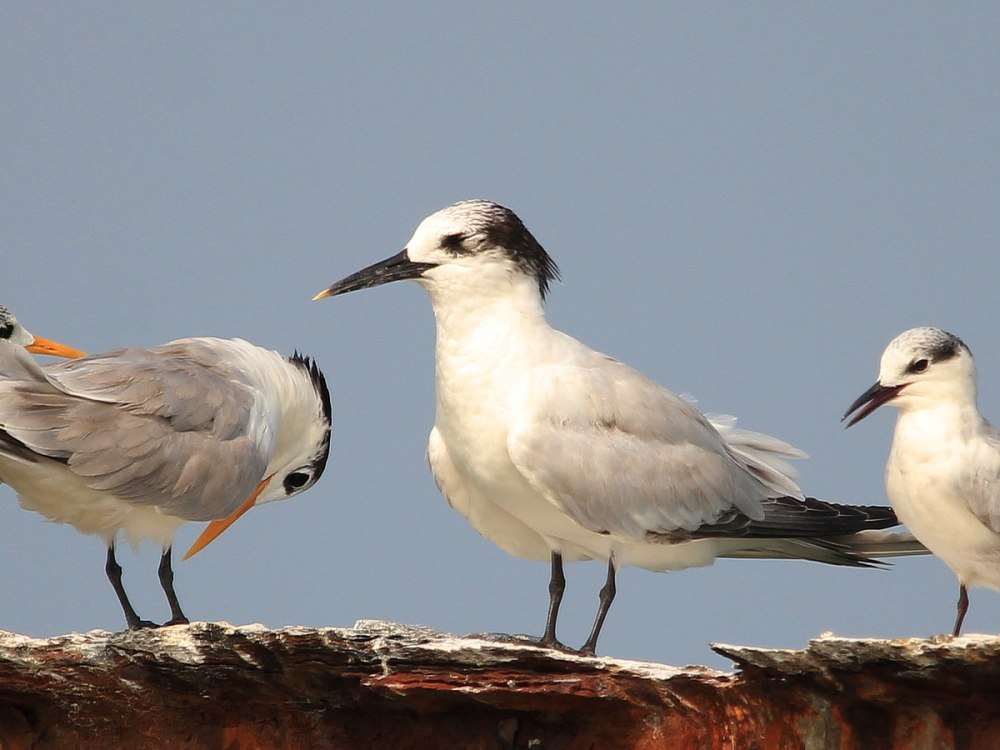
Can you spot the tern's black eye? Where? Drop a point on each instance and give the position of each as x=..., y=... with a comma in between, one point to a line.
x=6, y=330
x=453, y=243
x=917, y=365
x=295, y=481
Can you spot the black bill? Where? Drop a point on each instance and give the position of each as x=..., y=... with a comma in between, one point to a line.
x=871, y=399
x=396, y=268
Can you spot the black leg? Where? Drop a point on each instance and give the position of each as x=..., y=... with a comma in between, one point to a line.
x=166, y=573
x=557, y=585
x=114, y=571
x=607, y=596
x=963, y=607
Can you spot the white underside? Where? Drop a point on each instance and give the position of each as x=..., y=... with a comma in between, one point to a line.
x=49, y=488
x=930, y=460
x=921, y=485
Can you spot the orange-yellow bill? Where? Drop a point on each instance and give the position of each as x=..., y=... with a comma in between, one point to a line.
x=218, y=526
x=45, y=346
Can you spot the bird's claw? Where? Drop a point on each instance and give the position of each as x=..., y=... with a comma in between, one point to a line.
x=142, y=625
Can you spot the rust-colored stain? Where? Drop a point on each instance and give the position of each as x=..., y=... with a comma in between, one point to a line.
x=384, y=686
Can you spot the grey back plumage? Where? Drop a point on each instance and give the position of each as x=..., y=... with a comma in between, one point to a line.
x=185, y=432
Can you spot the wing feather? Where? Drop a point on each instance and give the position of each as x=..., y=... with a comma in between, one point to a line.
x=981, y=487
x=620, y=454
x=159, y=427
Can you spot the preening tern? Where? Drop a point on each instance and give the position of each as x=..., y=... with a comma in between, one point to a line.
x=943, y=473
x=555, y=451
x=139, y=441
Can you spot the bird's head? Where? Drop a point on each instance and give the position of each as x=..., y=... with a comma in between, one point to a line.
x=473, y=248
x=302, y=443
x=920, y=366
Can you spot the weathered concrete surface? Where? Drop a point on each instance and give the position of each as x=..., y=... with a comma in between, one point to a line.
x=381, y=685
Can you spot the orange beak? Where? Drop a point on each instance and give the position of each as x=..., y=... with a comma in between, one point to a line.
x=44, y=346
x=218, y=526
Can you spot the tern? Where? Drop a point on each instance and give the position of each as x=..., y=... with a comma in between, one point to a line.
x=138, y=441
x=13, y=331
x=943, y=472
x=557, y=452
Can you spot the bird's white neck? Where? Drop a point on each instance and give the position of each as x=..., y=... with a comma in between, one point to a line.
x=924, y=424
x=954, y=398
x=486, y=342
x=493, y=323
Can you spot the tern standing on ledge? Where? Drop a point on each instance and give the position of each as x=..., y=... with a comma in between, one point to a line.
x=139, y=441
x=554, y=451
x=943, y=473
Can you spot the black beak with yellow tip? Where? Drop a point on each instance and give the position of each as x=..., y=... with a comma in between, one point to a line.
x=396, y=268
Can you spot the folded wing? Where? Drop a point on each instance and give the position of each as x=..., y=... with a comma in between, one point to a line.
x=155, y=427
x=622, y=455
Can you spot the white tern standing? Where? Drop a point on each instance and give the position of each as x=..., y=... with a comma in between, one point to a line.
x=554, y=451
x=943, y=473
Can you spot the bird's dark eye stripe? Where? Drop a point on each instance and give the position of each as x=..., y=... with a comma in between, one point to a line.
x=453, y=243
x=946, y=350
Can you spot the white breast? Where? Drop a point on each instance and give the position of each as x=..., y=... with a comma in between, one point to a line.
x=923, y=476
x=54, y=491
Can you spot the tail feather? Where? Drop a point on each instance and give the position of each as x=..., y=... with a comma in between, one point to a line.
x=862, y=550
x=877, y=543
x=815, y=550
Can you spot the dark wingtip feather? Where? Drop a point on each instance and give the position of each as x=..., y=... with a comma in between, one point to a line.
x=808, y=518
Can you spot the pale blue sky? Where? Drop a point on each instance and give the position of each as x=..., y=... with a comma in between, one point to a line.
x=747, y=201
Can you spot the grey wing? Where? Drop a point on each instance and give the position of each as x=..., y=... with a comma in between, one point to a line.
x=620, y=454
x=191, y=382
x=146, y=426
x=980, y=483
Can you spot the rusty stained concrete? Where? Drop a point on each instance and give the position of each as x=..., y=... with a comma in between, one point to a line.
x=382, y=685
